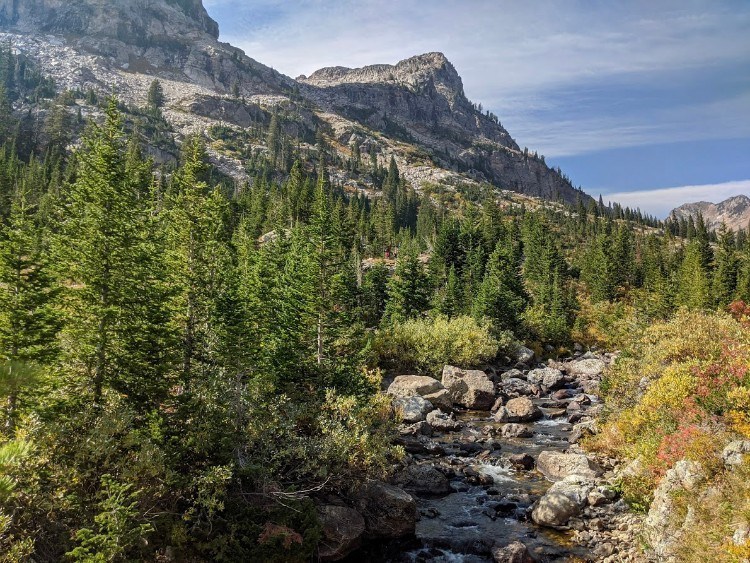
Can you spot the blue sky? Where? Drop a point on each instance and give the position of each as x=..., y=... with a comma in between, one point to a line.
x=645, y=102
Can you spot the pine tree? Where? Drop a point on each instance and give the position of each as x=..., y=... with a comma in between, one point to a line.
x=28, y=322
x=196, y=257
x=409, y=288
x=598, y=269
x=103, y=263
x=726, y=268
x=374, y=292
x=326, y=259
x=501, y=297
x=392, y=182
x=450, y=302
x=694, y=287
x=155, y=97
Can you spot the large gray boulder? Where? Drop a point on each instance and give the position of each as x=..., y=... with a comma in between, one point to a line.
x=586, y=368
x=411, y=385
x=443, y=422
x=734, y=452
x=343, y=529
x=389, y=512
x=549, y=378
x=412, y=409
x=522, y=409
x=661, y=529
x=470, y=388
x=515, y=387
x=423, y=479
x=441, y=399
x=524, y=355
x=514, y=430
x=556, y=466
x=562, y=501
x=516, y=552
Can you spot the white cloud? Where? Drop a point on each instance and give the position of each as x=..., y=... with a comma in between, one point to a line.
x=660, y=202
x=717, y=119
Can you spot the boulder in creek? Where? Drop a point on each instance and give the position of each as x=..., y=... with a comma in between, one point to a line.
x=411, y=385
x=522, y=409
x=562, y=501
x=443, y=422
x=500, y=415
x=343, y=529
x=556, y=466
x=515, y=387
x=582, y=430
x=412, y=409
x=562, y=394
x=497, y=404
x=423, y=479
x=586, y=368
x=522, y=461
x=549, y=378
x=516, y=552
x=418, y=429
x=523, y=355
x=440, y=399
x=388, y=511
x=513, y=430
x=470, y=388
x=512, y=374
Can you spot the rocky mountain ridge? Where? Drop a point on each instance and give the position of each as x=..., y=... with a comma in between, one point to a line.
x=734, y=212
x=415, y=111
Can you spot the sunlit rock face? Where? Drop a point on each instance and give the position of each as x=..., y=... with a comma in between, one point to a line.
x=174, y=39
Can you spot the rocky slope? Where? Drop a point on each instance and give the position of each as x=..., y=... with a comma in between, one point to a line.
x=421, y=100
x=415, y=111
x=174, y=39
x=734, y=212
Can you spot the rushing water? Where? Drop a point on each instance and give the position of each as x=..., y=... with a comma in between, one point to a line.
x=463, y=525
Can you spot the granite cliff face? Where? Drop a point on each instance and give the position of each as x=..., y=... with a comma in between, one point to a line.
x=415, y=111
x=421, y=100
x=175, y=39
x=106, y=19
x=734, y=212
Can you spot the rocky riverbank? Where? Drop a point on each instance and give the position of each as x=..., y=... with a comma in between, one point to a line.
x=493, y=472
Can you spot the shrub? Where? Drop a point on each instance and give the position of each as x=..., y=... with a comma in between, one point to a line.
x=426, y=345
x=680, y=390
x=723, y=508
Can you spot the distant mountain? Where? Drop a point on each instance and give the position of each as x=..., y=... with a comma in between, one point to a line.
x=415, y=111
x=735, y=212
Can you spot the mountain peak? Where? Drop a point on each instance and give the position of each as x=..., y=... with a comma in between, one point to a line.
x=734, y=212
x=414, y=73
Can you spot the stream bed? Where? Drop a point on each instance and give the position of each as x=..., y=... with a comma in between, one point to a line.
x=475, y=488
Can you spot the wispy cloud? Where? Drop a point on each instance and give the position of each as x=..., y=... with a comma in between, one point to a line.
x=660, y=202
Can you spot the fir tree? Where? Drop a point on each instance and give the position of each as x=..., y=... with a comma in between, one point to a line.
x=726, y=268
x=409, y=288
x=28, y=321
x=155, y=97
x=103, y=264
x=501, y=297
x=694, y=287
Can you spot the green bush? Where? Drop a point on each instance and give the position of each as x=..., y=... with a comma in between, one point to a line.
x=426, y=345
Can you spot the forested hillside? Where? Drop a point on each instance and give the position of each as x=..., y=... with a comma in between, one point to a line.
x=190, y=363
